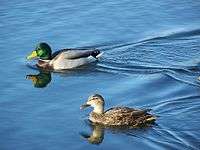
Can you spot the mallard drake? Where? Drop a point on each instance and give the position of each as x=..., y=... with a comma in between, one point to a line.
x=116, y=116
x=62, y=59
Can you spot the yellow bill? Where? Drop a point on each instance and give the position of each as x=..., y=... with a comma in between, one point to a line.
x=32, y=55
x=33, y=78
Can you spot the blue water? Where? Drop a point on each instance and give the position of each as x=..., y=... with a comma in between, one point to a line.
x=151, y=60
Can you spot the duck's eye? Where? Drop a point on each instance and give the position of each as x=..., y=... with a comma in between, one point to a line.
x=93, y=98
x=90, y=99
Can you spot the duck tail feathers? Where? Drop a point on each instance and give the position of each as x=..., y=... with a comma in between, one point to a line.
x=148, y=109
x=96, y=54
x=151, y=119
x=99, y=55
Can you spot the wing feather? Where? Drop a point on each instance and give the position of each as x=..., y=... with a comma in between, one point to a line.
x=119, y=111
x=75, y=53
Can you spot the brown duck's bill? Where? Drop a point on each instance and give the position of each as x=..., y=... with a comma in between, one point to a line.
x=84, y=106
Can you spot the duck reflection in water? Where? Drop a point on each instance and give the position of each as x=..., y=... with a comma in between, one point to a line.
x=97, y=135
x=40, y=80
x=97, y=132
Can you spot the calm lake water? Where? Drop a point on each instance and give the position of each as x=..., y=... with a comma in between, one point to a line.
x=151, y=60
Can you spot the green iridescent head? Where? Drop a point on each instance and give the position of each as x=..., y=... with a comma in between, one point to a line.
x=42, y=51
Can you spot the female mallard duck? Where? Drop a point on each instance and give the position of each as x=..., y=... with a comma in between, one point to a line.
x=116, y=116
x=62, y=59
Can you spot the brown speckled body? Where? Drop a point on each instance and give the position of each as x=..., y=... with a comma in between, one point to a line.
x=122, y=116
x=117, y=116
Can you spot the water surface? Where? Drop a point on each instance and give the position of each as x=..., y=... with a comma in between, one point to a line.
x=151, y=60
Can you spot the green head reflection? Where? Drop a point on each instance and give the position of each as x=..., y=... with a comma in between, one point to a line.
x=40, y=80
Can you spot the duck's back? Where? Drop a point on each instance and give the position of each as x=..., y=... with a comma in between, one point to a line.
x=125, y=116
x=76, y=53
x=72, y=58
